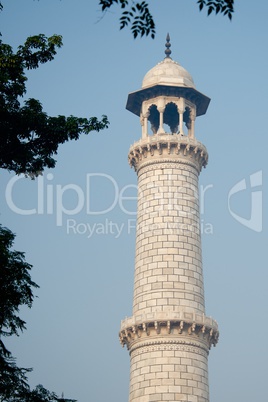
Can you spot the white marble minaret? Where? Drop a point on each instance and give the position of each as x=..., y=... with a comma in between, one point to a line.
x=169, y=334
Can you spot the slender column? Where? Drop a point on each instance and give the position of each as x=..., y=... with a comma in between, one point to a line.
x=181, y=121
x=144, y=124
x=192, y=123
x=161, y=109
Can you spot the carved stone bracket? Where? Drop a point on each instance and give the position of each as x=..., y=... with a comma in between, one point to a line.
x=207, y=333
x=176, y=148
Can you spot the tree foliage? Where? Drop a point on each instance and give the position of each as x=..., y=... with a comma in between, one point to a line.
x=16, y=290
x=41, y=394
x=15, y=285
x=29, y=137
x=225, y=7
x=138, y=16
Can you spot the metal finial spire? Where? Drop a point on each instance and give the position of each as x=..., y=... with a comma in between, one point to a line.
x=168, y=51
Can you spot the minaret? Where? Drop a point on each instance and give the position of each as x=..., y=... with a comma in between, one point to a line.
x=169, y=334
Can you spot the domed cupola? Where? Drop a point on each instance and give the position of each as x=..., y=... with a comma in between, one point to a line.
x=168, y=99
x=168, y=72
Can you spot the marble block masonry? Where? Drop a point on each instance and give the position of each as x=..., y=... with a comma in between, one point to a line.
x=169, y=335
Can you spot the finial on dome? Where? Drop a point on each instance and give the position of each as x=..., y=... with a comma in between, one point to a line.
x=168, y=51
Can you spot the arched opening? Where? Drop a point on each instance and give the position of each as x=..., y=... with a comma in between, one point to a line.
x=171, y=117
x=154, y=118
x=186, y=117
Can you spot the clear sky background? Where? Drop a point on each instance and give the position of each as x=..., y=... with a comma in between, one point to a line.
x=86, y=282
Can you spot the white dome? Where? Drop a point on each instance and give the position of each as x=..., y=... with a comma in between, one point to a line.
x=168, y=72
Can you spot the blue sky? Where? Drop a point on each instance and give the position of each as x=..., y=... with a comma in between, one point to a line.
x=85, y=272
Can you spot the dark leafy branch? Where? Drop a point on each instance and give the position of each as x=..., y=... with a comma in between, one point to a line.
x=15, y=286
x=138, y=16
x=29, y=137
x=225, y=7
x=135, y=14
x=15, y=291
x=38, y=49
